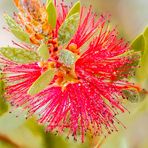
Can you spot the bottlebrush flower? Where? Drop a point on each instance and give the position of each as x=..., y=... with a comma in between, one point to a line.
x=71, y=70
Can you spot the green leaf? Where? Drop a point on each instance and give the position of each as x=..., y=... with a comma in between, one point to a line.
x=48, y=1
x=3, y=103
x=21, y=35
x=138, y=44
x=42, y=82
x=18, y=55
x=68, y=29
x=16, y=29
x=52, y=14
x=142, y=72
x=75, y=9
x=67, y=57
x=144, y=59
x=11, y=22
x=44, y=52
x=2, y=88
x=145, y=34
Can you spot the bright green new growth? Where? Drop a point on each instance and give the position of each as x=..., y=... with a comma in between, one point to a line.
x=68, y=29
x=19, y=55
x=67, y=57
x=16, y=29
x=42, y=82
x=43, y=52
x=75, y=9
x=52, y=13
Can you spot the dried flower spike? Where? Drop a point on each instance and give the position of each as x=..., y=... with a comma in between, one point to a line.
x=52, y=76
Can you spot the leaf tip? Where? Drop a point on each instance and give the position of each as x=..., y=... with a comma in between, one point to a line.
x=52, y=14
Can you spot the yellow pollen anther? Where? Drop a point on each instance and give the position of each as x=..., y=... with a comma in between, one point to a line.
x=73, y=47
x=51, y=65
x=47, y=65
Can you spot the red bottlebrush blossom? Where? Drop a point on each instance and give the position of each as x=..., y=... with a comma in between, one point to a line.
x=88, y=94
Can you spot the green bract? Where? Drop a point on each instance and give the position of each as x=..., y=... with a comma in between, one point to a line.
x=52, y=14
x=68, y=29
x=43, y=52
x=67, y=57
x=19, y=55
x=16, y=29
x=75, y=9
x=42, y=82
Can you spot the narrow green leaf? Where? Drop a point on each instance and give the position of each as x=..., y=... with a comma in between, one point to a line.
x=138, y=44
x=2, y=88
x=42, y=82
x=19, y=55
x=52, y=14
x=67, y=57
x=68, y=29
x=11, y=22
x=21, y=35
x=44, y=52
x=75, y=9
x=3, y=103
x=16, y=29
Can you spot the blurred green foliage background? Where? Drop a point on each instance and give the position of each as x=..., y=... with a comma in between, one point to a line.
x=131, y=17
